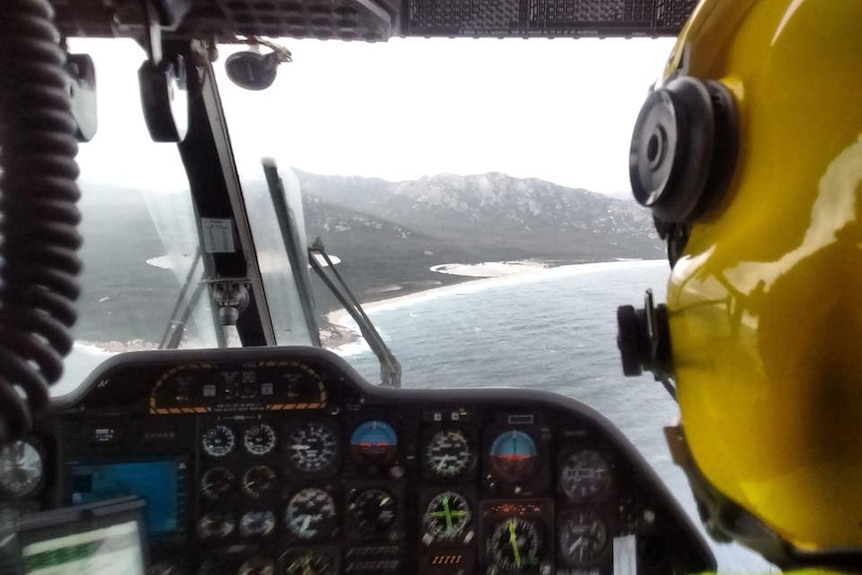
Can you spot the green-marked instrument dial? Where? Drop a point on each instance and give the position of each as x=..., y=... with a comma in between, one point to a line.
x=514, y=545
x=447, y=516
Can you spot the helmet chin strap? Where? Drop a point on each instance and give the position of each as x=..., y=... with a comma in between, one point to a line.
x=726, y=521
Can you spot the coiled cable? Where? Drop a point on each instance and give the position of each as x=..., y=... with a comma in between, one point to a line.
x=38, y=214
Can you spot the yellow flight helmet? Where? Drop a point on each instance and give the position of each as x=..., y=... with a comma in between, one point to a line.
x=748, y=151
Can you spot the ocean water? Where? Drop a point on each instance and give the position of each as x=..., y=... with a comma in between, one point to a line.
x=553, y=330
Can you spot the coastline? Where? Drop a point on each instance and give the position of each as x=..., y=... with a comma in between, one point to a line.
x=340, y=333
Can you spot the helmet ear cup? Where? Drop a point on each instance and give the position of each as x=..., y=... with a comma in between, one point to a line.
x=684, y=149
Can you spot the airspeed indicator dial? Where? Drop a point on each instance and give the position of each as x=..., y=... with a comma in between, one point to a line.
x=448, y=454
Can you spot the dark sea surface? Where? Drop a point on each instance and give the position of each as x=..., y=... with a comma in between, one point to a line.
x=553, y=330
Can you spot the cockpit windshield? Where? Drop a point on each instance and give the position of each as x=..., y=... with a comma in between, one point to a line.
x=473, y=192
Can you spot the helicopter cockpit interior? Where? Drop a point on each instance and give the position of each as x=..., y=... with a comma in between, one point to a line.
x=255, y=457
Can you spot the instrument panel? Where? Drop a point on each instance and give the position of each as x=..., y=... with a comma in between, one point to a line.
x=283, y=461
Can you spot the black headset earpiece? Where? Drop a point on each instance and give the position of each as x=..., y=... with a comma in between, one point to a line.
x=684, y=149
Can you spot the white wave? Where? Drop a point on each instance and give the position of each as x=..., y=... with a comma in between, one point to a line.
x=352, y=349
x=171, y=262
x=489, y=269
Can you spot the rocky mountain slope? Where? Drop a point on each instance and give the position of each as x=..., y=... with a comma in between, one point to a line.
x=492, y=215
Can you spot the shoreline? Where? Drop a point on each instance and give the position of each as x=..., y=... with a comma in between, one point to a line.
x=338, y=330
x=339, y=333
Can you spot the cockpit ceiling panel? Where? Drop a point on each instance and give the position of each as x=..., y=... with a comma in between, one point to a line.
x=224, y=20
x=374, y=20
x=546, y=18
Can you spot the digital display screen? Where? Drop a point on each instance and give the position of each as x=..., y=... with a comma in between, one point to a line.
x=112, y=550
x=159, y=483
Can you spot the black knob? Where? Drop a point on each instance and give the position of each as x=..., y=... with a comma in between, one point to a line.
x=630, y=339
x=643, y=338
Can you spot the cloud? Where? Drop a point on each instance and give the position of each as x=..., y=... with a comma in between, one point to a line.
x=561, y=110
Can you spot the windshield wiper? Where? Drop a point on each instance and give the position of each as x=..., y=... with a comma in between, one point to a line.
x=390, y=369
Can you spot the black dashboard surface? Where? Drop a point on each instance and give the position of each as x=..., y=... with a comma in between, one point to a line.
x=285, y=461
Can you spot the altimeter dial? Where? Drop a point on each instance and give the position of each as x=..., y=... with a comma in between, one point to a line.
x=585, y=474
x=447, y=516
x=583, y=537
x=515, y=545
x=448, y=454
x=259, y=439
x=312, y=448
x=310, y=514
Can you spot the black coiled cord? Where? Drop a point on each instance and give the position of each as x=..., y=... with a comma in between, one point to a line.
x=38, y=213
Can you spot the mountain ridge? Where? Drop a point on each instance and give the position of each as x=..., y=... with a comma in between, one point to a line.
x=392, y=233
x=528, y=217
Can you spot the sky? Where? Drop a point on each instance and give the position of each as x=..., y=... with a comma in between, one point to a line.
x=561, y=110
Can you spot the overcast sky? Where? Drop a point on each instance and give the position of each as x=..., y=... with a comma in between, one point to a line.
x=561, y=110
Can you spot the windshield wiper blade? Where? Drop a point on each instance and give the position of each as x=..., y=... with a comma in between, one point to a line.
x=390, y=369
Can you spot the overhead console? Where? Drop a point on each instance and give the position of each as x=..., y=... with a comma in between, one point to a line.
x=376, y=20
x=285, y=461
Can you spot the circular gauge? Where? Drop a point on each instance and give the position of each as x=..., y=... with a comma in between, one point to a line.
x=310, y=513
x=583, y=537
x=256, y=523
x=216, y=525
x=514, y=545
x=219, y=441
x=312, y=448
x=258, y=481
x=374, y=442
x=513, y=455
x=257, y=566
x=217, y=483
x=370, y=514
x=306, y=562
x=447, y=516
x=448, y=454
x=20, y=469
x=259, y=439
x=585, y=474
